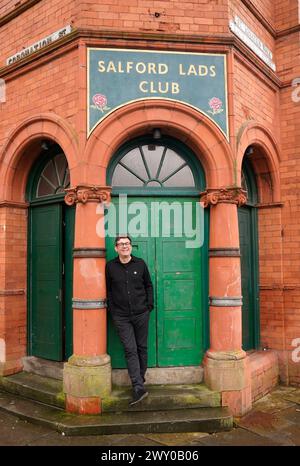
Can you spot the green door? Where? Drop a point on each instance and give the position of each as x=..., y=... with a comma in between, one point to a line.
x=248, y=234
x=50, y=257
x=144, y=248
x=175, y=330
x=249, y=272
x=179, y=312
x=246, y=273
x=51, y=281
x=46, y=281
x=68, y=243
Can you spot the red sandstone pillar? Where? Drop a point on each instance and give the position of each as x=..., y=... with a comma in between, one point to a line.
x=87, y=374
x=226, y=364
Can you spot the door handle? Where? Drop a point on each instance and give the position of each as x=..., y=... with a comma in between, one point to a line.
x=59, y=296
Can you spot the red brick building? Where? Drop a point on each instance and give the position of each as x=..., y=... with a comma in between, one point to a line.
x=220, y=81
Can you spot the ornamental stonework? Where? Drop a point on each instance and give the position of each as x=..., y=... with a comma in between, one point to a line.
x=87, y=193
x=213, y=196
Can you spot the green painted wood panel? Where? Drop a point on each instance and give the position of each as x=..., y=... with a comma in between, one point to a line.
x=46, y=281
x=246, y=274
x=69, y=225
x=179, y=300
x=144, y=248
x=175, y=329
x=249, y=274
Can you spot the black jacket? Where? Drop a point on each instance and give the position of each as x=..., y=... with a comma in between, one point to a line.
x=129, y=287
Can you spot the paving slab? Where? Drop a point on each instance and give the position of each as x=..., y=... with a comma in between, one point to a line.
x=177, y=439
x=280, y=398
x=14, y=431
x=273, y=426
x=57, y=439
x=272, y=404
x=292, y=414
x=293, y=396
x=236, y=437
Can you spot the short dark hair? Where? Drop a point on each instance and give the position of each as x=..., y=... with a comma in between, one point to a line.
x=122, y=236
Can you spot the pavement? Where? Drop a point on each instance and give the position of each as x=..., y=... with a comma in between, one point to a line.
x=273, y=421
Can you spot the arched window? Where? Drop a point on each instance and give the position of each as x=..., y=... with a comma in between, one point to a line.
x=54, y=178
x=49, y=177
x=248, y=183
x=151, y=166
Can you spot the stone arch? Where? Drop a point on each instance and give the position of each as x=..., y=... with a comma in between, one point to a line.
x=265, y=160
x=23, y=147
x=175, y=120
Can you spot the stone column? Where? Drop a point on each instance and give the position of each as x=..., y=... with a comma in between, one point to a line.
x=87, y=374
x=226, y=366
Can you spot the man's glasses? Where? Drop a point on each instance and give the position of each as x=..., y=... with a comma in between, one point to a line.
x=124, y=244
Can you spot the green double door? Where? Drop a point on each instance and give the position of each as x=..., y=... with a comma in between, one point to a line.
x=51, y=237
x=175, y=328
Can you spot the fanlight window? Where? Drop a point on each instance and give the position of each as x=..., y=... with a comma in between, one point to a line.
x=54, y=178
x=153, y=166
x=244, y=183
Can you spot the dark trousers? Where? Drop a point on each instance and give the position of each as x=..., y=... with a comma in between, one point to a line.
x=133, y=333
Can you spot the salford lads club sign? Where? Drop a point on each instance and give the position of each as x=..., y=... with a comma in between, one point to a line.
x=117, y=77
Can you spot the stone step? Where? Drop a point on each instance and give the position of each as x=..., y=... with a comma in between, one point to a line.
x=161, y=397
x=35, y=387
x=177, y=420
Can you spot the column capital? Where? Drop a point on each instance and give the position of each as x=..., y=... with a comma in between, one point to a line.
x=87, y=193
x=213, y=196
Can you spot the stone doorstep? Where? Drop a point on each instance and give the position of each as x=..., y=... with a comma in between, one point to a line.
x=155, y=375
x=35, y=387
x=161, y=397
x=191, y=420
x=43, y=367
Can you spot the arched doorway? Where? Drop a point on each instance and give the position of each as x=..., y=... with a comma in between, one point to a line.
x=155, y=198
x=50, y=262
x=248, y=232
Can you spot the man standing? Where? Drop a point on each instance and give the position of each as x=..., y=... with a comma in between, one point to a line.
x=130, y=300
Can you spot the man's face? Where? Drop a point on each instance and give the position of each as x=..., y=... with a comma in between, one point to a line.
x=123, y=247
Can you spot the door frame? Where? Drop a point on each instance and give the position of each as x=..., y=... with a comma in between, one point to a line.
x=31, y=187
x=200, y=183
x=252, y=199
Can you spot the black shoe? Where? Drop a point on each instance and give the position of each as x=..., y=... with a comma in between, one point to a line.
x=138, y=396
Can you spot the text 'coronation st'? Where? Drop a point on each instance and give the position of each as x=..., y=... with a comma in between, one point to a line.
x=150, y=68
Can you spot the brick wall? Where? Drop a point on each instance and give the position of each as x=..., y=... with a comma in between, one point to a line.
x=264, y=373
x=49, y=88
x=237, y=7
x=286, y=14
x=170, y=16
x=288, y=65
x=13, y=268
x=33, y=24
x=6, y=6
x=271, y=280
x=253, y=100
x=287, y=57
x=266, y=8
